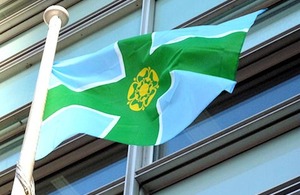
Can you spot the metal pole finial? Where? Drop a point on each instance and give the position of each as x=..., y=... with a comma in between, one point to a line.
x=56, y=10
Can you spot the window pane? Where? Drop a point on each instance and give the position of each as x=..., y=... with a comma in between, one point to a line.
x=91, y=182
x=171, y=13
x=9, y=153
x=251, y=172
x=86, y=176
x=39, y=31
x=234, y=114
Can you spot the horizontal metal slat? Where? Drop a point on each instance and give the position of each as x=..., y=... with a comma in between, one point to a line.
x=222, y=146
x=68, y=35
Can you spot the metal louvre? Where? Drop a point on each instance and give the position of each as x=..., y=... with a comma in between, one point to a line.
x=68, y=35
x=290, y=187
x=222, y=146
x=204, y=154
x=27, y=17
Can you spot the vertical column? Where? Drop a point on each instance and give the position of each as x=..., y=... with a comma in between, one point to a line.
x=140, y=156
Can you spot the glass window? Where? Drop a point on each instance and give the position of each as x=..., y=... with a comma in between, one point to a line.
x=251, y=172
x=234, y=114
x=262, y=31
x=9, y=153
x=8, y=8
x=39, y=31
x=171, y=13
x=87, y=175
x=23, y=83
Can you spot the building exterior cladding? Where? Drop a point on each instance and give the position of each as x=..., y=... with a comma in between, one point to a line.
x=246, y=142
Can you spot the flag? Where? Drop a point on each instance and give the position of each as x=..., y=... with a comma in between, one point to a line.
x=143, y=90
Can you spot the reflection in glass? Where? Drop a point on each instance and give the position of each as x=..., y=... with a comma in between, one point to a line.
x=235, y=114
x=87, y=175
x=90, y=182
x=10, y=152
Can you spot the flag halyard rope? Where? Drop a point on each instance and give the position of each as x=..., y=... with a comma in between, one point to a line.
x=29, y=188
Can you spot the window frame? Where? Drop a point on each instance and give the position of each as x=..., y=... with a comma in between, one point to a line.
x=68, y=35
x=290, y=187
x=243, y=135
x=171, y=168
x=64, y=155
x=226, y=144
x=27, y=17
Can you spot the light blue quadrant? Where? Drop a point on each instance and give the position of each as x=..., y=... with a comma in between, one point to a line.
x=189, y=94
x=70, y=121
x=84, y=72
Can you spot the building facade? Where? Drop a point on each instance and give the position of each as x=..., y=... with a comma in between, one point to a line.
x=246, y=142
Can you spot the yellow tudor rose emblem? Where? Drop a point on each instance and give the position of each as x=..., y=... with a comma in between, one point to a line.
x=143, y=89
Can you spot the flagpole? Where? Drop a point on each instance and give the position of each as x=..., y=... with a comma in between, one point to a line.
x=139, y=156
x=55, y=17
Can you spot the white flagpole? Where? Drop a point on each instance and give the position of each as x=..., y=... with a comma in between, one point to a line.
x=55, y=17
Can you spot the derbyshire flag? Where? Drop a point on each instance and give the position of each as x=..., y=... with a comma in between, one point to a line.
x=143, y=90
